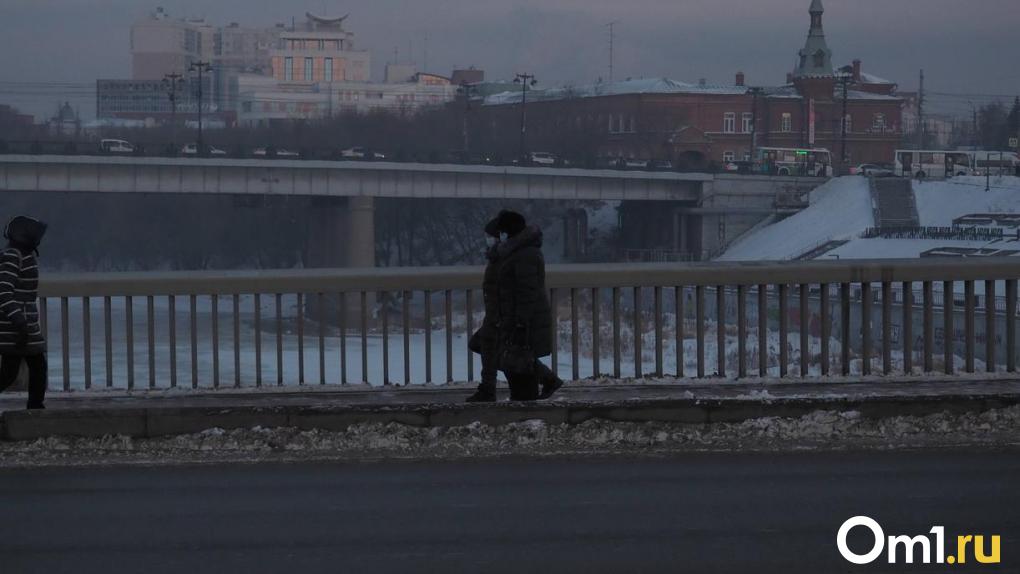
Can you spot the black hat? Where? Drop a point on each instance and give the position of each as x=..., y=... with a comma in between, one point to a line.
x=510, y=222
x=24, y=231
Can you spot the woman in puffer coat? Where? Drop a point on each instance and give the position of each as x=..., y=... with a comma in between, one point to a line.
x=525, y=318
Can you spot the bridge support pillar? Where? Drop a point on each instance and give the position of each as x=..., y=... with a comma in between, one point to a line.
x=575, y=233
x=360, y=237
x=341, y=233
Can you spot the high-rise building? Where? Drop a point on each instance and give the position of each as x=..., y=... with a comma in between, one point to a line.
x=162, y=45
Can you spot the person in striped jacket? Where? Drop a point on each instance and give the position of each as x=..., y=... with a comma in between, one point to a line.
x=21, y=339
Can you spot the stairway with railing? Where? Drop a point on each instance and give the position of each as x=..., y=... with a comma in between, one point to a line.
x=893, y=202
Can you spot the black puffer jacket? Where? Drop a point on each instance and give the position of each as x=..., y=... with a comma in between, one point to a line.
x=521, y=294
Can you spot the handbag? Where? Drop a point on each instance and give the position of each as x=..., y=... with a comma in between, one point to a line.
x=516, y=359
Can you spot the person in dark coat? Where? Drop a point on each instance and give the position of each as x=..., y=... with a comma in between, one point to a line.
x=525, y=317
x=21, y=338
x=485, y=341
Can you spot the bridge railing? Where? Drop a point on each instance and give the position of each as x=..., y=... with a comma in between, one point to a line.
x=411, y=326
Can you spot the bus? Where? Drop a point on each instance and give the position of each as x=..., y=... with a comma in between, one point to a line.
x=816, y=162
x=950, y=163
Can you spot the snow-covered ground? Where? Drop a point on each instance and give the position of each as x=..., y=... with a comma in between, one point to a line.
x=818, y=430
x=939, y=202
x=841, y=210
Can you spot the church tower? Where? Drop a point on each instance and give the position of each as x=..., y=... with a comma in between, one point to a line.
x=813, y=76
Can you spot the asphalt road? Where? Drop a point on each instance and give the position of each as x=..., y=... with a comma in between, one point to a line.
x=745, y=513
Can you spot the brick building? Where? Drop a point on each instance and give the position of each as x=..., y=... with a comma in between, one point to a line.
x=695, y=125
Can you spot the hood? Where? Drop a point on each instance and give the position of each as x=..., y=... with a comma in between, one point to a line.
x=530, y=237
x=25, y=233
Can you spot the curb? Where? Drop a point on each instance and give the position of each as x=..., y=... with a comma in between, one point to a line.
x=169, y=421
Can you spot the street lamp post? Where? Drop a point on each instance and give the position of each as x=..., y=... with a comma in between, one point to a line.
x=171, y=82
x=525, y=80
x=201, y=68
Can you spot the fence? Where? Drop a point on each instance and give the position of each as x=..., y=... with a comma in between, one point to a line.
x=628, y=320
x=947, y=233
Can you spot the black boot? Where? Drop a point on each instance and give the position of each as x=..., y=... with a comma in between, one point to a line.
x=523, y=388
x=486, y=393
x=550, y=387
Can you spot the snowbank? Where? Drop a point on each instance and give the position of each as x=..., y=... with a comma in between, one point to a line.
x=939, y=202
x=839, y=209
x=819, y=430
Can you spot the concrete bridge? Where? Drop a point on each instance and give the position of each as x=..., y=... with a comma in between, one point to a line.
x=692, y=213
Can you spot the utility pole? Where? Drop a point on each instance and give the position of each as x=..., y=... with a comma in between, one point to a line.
x=466, y=91
x=612, y=45
x=755, y=92
x=201, y=68
x=171, y=83
x=526, y=81
x=846, y=73
x=974, y=127
x=920, y=113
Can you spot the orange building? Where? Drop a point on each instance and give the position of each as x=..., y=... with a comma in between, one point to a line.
x=320, y=51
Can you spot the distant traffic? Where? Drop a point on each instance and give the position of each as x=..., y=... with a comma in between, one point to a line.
x=805, y=162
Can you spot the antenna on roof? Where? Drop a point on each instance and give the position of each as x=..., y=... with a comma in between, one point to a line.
x=612, y=41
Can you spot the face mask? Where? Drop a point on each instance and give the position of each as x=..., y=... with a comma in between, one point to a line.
x=490, y=241
x=503, y=236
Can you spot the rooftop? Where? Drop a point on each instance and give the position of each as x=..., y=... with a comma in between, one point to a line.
x=625, y=87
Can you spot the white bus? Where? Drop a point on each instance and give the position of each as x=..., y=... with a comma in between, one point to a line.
x=950, y=163
x=815, y=162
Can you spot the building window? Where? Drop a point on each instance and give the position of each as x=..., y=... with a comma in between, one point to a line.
x=327, y=68
x=631, y=128
x=309, y=62
x=786, y=124
x=322, y=45
x=728, y=156
x=848, y=123
x=745, y=122
x=729, y=122
x=878, y=122
x=288, y=69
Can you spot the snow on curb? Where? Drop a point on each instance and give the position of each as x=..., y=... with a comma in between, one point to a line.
x=818, y=430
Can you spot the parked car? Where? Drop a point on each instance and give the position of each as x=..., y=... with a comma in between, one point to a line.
x=112, y=146
x=542, y=158
x=192, y=149
x=360, y=153
x=870, y=169
x=261, y=152
x=659, y=164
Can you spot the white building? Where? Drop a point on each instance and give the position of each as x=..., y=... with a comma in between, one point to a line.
x=264, y=99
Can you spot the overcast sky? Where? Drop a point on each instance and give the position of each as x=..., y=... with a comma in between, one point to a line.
x=965, y=46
